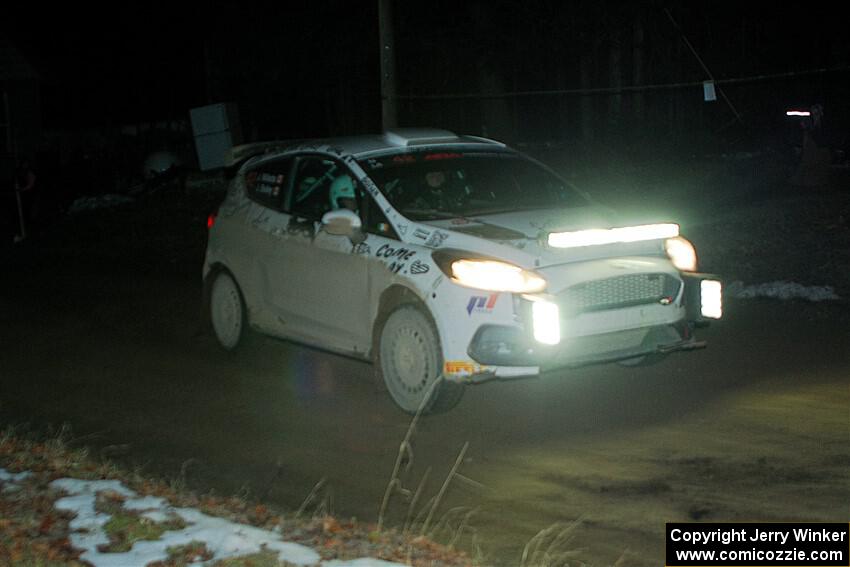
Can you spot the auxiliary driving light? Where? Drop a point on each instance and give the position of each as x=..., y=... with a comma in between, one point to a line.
x=547, y=322
x=712, y=299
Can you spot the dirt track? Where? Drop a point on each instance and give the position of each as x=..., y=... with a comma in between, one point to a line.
x=756, y=427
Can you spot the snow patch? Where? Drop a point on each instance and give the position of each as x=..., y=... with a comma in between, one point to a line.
x=146, y=503
x=223, y=538
x=783, y=290
x=95, y=203
x=10, y=480
x=78, y=487
x=6, y=476
x=742, y=156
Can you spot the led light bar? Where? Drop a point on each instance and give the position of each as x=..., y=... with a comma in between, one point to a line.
x=597, y=236
x=798, y=113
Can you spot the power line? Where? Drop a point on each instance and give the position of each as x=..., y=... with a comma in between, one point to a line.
x=702, y=64
x=626, y=89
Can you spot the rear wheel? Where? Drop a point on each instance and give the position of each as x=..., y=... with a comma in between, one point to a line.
x=411, y=363
x=227, y=311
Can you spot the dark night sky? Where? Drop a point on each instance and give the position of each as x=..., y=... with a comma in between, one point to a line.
x=282, y=63
x=141, y=64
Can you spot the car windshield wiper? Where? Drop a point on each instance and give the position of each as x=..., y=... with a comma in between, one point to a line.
x=419, y=213
x=485, y=212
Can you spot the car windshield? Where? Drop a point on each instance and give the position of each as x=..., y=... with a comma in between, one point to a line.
x=439, y=185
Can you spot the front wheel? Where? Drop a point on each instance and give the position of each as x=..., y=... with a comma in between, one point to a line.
x=227, y=311
x=411, y=363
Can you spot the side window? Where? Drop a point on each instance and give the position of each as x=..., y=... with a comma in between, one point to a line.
x=267, y=183
x=311, y=189
x=374, y=219
x=321, y=185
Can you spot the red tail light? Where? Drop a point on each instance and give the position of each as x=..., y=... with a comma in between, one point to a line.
x=210, y=221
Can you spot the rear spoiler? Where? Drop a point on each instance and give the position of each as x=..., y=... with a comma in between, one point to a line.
x=237, y=155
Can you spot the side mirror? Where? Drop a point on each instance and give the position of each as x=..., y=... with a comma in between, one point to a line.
x=343, y=222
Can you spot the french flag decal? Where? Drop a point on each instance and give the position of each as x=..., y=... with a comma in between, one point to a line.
x=482, y=304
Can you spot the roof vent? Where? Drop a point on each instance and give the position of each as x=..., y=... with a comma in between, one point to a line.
x=419, y=136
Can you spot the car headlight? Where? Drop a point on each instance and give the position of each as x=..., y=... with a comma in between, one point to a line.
x=682, y=253
x=489, y=275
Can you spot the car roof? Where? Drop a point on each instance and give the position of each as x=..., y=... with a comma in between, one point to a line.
x=391, y=141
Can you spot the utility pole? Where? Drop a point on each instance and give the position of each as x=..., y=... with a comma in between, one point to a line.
x=389, y=111
x=208, y=73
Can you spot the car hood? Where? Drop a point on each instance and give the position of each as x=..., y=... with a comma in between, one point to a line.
x=521, y=237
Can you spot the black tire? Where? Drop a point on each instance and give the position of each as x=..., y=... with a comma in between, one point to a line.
x=410, y=362
x=227, y=311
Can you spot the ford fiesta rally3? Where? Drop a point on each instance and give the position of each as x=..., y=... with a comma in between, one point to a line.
x=445, y=260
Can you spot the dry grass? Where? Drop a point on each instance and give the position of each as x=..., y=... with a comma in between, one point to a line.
x=422, y=519
x=33, y=533
x=552, y=547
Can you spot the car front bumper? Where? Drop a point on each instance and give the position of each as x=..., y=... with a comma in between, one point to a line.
x=511, y=349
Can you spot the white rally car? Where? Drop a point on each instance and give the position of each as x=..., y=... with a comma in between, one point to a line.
x=445, y=260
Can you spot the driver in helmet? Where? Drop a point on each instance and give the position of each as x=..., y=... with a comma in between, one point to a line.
x=342, y=194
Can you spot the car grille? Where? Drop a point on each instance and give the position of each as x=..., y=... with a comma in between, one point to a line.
x=615, y=293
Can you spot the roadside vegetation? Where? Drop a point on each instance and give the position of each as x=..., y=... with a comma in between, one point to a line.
x=34, y=532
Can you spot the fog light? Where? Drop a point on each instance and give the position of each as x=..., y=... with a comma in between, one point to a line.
x=497, y=345
x=547, y=322
x=711, y=299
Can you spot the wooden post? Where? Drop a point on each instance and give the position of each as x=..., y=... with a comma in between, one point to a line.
x=615, y=80
x=638, y=108
x=389, y=110
x=585, y=81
